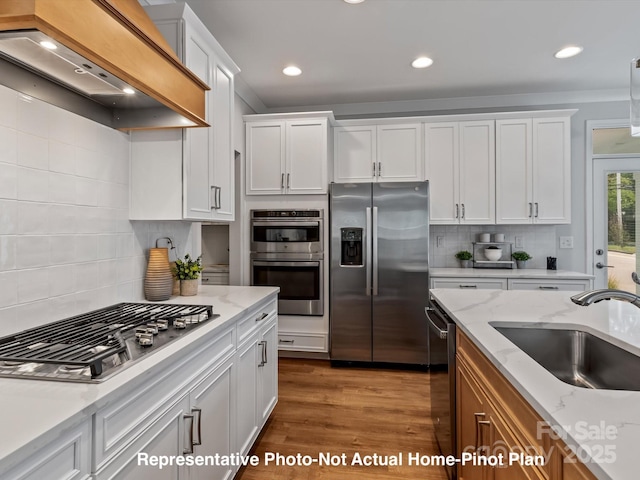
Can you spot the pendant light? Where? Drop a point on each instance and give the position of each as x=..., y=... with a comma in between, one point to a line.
x=635, y=97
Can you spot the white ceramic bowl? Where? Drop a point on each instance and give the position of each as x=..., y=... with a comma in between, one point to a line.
x=493, y=254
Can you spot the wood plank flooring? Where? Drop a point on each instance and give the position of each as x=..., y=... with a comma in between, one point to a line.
x=347, y=411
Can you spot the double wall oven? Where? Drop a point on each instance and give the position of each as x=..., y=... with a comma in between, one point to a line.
x=287, y=251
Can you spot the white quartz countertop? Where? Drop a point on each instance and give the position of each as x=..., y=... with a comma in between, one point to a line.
x=573, y=409
x=35, y=412
x=509, y=273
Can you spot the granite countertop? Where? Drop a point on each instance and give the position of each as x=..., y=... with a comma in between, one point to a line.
x=36, y=411
x=560, y=404
x=540, y=273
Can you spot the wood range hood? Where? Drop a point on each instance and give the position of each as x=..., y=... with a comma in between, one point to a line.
x=102, y=47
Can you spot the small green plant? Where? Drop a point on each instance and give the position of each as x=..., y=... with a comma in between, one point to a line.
x=464, y=255
x=521, y=256
x=188, y=269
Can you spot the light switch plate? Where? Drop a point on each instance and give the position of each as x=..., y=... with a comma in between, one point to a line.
x=519, y=242
x=566, y=242
x=439, y=241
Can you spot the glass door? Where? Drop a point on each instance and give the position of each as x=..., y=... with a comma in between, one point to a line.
x=616, y=233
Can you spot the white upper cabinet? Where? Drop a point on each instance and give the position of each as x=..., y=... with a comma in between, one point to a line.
x=354, y=153
x=189, y=175
x=287, y=153
x=533, y=170
x=378, y=153
x=460, y=167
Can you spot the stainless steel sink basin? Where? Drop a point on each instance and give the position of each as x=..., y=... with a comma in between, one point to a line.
x=577, y=357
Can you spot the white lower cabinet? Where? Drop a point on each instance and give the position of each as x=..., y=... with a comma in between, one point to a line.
x=470, y=283
x=68, y=457
x=504, y=283
x=205, y=407
x=258, y=381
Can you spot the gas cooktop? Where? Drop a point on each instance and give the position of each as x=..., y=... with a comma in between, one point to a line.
x=94, y=346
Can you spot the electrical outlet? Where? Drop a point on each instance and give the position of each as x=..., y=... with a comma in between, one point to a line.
x=519, y=242
x=566, y=242
x=439, y=241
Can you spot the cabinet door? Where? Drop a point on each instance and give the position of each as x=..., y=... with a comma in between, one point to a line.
x=442, y=171
x=306, y=156
x=514, y=183
x=576, y=285
x=268, y=372
x=247, y=413
x=470, y=409
x=265, y=158
x=213, y=407
x=354, y=154
x=552, y=170
x=223, y=151
x=400, y=153
x=477, y=172
x=198, y=142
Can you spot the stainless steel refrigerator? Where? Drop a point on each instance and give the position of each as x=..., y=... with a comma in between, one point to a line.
x=379, y=269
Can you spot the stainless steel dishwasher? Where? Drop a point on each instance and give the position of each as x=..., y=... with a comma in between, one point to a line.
x=442, y=367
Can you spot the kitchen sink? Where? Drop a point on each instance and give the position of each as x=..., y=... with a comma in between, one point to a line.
x=577, y=357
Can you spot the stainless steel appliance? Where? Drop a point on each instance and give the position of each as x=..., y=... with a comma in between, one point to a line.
x=287, y=231
x=287, y=252
x=94, y=346
x=442, y=384
x=379, y=272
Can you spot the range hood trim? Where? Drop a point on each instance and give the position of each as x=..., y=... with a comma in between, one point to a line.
x=137, y=54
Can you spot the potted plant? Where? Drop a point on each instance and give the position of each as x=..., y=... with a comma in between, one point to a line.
x=465, y=258
x=188, y=271
x=521, y=258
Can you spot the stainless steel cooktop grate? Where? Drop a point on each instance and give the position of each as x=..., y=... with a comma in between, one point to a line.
x=84, y=341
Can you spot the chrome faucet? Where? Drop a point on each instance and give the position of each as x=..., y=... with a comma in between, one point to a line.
x=592, y=296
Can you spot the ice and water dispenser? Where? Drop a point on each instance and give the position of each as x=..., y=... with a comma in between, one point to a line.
x=351, y=246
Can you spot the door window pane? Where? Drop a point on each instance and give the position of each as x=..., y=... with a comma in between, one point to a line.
x=622, y=211
x=614, y=141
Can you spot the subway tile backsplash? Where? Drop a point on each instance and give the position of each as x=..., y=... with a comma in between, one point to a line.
x=539, y=241
x=66, y=242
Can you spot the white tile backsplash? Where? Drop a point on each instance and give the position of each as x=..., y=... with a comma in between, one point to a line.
x=8, y=145
x=67, y=245
x=539, y=241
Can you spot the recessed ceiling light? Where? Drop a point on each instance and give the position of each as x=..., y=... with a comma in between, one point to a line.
x=422, y=62
x=568, y=52
x=48, y=45
x=353, y=2
x=128, y=90
x=292, y=71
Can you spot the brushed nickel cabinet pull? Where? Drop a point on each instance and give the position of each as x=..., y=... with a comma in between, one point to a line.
x=282, y=182
x=197, y=413
x=188, y=449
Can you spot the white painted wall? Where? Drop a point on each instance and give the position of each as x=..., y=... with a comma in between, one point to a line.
x=66, y=243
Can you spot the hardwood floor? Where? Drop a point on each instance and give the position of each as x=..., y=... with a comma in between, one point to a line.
x=347, y=411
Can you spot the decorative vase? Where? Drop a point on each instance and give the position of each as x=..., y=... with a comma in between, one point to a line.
x=188, y=288
x=521, y=263
x=158, y=281
x=465, y=263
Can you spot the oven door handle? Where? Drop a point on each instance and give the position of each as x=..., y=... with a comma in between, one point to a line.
x=441, y=333
x=287, y=223
x=259, y=263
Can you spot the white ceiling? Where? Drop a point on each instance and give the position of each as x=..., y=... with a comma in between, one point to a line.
x=362, y=53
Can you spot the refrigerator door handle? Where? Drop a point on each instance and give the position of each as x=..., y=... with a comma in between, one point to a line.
x=368, y=252
x=374, y=227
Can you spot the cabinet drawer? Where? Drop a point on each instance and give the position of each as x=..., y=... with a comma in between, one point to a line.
x=255, y=318
x=117, y=424
x=470, y=283
x=552, y=285
x=68, y=458
x=304, y=342
x=215, y=279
